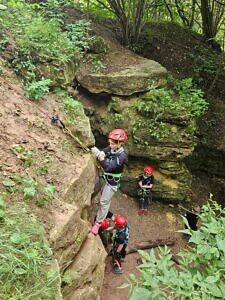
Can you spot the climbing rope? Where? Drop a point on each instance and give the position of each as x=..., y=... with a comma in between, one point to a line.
x=55, y=120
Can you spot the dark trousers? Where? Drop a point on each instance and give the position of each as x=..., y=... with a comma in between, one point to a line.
x=145, y=197
x=118, y=256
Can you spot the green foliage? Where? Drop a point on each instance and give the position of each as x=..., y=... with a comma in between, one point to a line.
x=23, y=154
x=96, y=62
x=9, y=185
x=30, y=188
x=43, y=169
x=183, y=99
x=25, y=187
x=53, y=9
x=115, y=115
x=25, y=258
x=69, y=276
x=72, y=108
x=195, y=277
x=156, y=129
x=182, y=103
x=36, y=89
x=97, y=12
x=78, y=33
x=50, y=190
x=71, y=105
x=3, y=43
x=41, y=36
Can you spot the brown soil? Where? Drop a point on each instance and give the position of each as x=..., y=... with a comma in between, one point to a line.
x=28, y=125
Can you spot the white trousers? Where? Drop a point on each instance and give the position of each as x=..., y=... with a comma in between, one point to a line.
x=105, y=202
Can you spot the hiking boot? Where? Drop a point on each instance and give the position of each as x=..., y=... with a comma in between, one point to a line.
x=95, y=228
x=140, y=212
x=117, y=270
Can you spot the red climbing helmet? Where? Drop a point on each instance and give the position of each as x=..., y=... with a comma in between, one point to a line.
x=148, y=170
x=120, y=221
x=105, y=224
x=118, y=135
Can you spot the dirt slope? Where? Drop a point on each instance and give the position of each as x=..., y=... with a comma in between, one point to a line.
x=32, y=148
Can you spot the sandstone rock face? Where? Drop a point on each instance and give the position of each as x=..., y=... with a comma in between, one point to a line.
x=166, y=151
x=77, y=122
x=87, y=267
x=139, y=77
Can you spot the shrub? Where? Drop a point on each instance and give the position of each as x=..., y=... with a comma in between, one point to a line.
x=200, y=273
x=182, y=100
x=35, y=90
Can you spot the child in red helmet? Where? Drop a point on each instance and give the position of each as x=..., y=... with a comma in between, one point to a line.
x=120, y=243
x=145, y=183
x=112, y=159
x=120, y=240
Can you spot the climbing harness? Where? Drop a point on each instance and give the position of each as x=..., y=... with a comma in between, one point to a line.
x=112, y=177
x=124, y=230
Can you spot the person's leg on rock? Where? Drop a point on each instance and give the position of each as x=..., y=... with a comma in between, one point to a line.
x=105, y=201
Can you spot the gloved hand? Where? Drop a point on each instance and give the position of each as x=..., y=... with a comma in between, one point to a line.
x=95, y=151
x=99, y=154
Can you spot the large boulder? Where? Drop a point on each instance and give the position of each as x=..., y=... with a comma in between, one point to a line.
x=142, y=75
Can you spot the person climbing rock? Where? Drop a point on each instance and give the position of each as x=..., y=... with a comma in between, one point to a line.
x=112, y=159
x=192, y=217
x=145, y=184
x=105, y=231
x=120, y=240
x=120, y=243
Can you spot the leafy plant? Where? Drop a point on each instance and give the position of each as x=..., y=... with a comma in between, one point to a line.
x=40, y=37
x=9, y=185
x=200, y=273
x=35, y=90
x=50, y=190
x=42, y=170
x=72, y=108
x=30, y=188
x=22, y=153
x=53, y=9
x=78, y=33
x=183, y=99
x=70, y=105
x=181, y=103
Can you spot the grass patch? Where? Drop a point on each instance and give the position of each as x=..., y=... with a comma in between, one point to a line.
x=25, y=258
